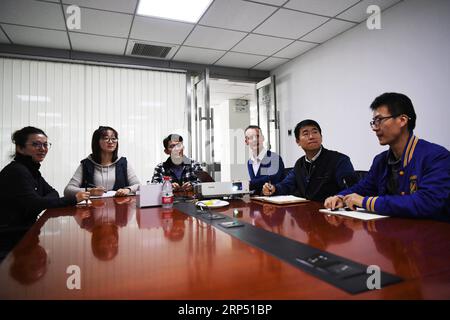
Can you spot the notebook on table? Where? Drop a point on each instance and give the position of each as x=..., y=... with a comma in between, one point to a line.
x=280, y=199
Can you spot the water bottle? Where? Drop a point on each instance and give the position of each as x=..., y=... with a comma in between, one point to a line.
x=167, y=193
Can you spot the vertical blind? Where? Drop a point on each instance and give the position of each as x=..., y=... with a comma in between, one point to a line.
x=69, y=101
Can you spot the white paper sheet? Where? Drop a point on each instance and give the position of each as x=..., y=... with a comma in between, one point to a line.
x=360, y=214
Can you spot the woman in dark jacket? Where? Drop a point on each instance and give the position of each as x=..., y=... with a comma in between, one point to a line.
x=25, y=192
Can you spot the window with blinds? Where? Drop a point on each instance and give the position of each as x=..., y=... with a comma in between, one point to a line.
x=69, y=101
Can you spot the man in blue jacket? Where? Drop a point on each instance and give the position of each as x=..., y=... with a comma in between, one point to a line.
x=411, y=179
x=263, y=165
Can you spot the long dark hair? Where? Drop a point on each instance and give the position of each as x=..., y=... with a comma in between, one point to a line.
x=20, y=137
x=95, y=144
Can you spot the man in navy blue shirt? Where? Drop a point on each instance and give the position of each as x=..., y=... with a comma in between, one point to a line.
x=263, y=165
x=317, y=175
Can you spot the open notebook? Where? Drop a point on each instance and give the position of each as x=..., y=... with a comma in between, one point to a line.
x=281, y=199
x=358, y=214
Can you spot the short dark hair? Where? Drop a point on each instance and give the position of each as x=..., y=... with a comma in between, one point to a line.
x=397, y=104
x=304, y=123
x=95, y=144
x=171, y=137
x=252, y=126
x=20, y=137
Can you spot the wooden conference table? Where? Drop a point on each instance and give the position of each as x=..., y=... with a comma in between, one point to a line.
x=124, y=252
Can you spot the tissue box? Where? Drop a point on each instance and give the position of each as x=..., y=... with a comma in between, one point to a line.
x=149, y=195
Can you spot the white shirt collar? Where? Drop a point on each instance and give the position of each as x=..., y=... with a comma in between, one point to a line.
x=315, y=157
x=260, y=156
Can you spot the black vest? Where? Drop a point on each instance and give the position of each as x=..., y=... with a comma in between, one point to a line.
x=317, y=181
x=121, y=180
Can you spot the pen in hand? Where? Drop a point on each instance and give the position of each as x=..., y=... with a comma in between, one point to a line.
x=95, y=190
x=85, y=189
x=270, y=187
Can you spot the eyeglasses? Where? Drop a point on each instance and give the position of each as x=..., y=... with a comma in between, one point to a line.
x=39, y=145
x=375, y=123
x=110, y=139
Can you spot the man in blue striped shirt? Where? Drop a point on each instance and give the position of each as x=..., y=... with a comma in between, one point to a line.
x=264, y=165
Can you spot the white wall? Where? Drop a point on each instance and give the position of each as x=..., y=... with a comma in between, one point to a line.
x=69, y=101
x=335, y=83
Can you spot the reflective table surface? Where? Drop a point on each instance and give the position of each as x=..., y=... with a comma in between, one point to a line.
x=113, y=250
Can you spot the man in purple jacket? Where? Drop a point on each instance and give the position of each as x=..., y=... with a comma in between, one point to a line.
x=411, y=179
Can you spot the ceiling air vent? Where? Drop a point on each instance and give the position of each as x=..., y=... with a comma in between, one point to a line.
x=149, y=50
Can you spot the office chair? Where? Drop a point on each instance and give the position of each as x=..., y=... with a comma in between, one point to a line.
x=204, y=176
x=354, y=178
x=361, y=174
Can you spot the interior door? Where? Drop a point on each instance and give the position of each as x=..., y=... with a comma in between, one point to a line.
x=203, y=138
x=268, y=115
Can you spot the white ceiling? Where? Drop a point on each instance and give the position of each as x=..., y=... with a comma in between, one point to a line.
x=224, y=90
x=250, y=34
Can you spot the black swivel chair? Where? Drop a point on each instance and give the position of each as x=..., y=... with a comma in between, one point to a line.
x=361, y=174
x=353, y=179
x=204, y=176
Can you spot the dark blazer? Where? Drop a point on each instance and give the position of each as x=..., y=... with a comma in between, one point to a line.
x=271, y=169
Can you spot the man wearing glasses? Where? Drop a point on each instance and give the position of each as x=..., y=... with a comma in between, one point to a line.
x=411, y=179
x=180, y=169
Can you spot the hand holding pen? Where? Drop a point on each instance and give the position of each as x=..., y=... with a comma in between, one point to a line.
x=81, y=196
x=268, y=189
x=86, y=191
x=93, y=189
x=97, y=191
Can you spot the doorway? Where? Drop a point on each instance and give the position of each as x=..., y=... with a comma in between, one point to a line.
x=220, y=111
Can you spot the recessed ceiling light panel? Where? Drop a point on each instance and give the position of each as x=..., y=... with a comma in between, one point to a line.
x=181, y=10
